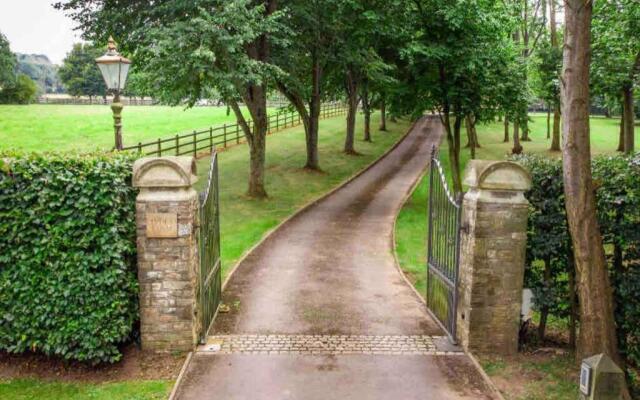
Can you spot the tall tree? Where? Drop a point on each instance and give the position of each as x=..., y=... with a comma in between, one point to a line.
x=7, y=63
x=304, y=60
x=616, y=59
x=192, y=48
x=555, y=55
x=79, y=73
x=531, y=25
x=597, y=325
x=458, y=51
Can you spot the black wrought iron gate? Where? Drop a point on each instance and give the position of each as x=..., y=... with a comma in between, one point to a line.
x=443, y=249
x=210, y=279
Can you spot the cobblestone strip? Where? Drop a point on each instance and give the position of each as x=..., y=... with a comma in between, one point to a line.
x=324, y=344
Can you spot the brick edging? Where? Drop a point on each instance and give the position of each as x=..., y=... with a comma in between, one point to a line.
x=183, y=371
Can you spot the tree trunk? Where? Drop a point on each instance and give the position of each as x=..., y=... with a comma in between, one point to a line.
x=352, y=93
x=548, y=122
x=525, y=130
x=622, y=131
x=517, y=148
x=256, y=101
x=555, y=137
x=544, y=310
x=383, y=115
x=367, y=111
x=314, y=118
x=629, y=115
x=309, y=120
x=506, y=129
x=597, y=324
x=573, y=304
x=555, y=141
x=472, y=135
x=453, y=141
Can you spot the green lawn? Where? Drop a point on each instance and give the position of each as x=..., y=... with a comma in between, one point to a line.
x=47, y=127
x=31, y=389
x=411, y=234
x=244, y=221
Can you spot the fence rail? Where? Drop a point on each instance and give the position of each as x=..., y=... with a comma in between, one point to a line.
x=223, y=136
x=97, y=100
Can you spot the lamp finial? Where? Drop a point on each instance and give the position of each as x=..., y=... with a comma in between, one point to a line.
x=111, y=46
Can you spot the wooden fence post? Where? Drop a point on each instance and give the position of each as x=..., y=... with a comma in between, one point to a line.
x=237, y=133
x=224, y=132
x=159, y=148
x=211, y=139
x=195, y=145
x=177, y=145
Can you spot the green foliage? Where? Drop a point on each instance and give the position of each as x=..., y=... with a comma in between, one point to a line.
x=618, y=208
x=549, y=66
x=21, y=91
x=616, y=47
x=7, y=64
x=79, y=72
x=185, y=50
x=68, y=282
x=548, y=240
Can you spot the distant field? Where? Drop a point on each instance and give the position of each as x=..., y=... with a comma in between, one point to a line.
x=604, y=137
x=45, y=127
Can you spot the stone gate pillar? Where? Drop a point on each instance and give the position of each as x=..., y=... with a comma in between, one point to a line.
x=166, y=212
x=492, y=256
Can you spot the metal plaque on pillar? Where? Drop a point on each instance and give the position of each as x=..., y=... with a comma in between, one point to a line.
x=162, y=225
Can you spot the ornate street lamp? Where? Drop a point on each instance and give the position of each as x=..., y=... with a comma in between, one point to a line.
x=114, y=69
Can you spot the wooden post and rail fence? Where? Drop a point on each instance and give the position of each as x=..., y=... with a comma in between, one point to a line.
x=223, y=136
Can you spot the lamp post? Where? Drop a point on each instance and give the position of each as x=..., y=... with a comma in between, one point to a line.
x=114, y=69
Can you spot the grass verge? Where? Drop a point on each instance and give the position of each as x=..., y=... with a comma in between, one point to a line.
x=31, y=389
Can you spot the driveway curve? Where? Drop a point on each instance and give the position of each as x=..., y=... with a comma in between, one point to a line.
x=331, y=270
x=327, y=280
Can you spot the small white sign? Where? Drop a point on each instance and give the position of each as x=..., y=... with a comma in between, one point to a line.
x=585, y=379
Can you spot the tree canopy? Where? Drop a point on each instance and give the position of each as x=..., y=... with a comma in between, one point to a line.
x=79, y=73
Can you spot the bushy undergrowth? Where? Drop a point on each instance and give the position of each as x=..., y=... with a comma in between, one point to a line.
x=550, y=265
x=68, y=283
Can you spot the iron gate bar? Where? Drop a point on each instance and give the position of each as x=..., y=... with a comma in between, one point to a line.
x=443, y=249
x=209, y=277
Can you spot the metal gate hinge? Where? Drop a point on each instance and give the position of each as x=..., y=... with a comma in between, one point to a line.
x=464, y=228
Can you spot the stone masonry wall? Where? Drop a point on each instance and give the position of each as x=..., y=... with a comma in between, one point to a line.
x=167, y=276
x=491, y=286
x=492, y=257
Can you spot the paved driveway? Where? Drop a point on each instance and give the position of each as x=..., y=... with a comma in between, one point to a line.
x=320, y=311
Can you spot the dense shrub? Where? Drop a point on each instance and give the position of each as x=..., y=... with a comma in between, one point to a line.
x=617, y=180
x=22, y=90
x=68, y=283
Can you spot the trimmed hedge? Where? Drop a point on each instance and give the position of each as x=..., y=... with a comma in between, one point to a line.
x=68, y=284
x=617, y=180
